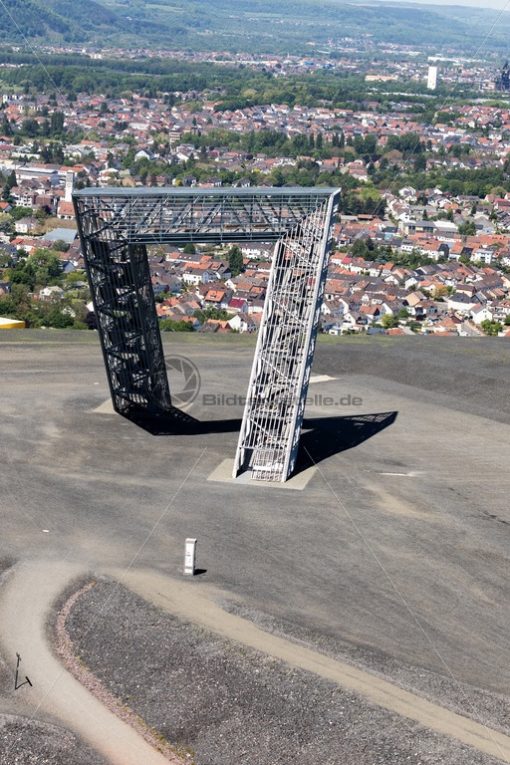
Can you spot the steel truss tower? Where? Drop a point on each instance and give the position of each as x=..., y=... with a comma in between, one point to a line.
x=269, y=437
x=116, y=225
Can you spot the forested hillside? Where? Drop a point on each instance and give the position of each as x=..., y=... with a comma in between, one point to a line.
x=248, y=25
x=56, y=19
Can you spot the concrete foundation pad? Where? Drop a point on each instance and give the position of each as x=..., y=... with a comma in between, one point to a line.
x=223, y=473
x=314, y=379
x=105, y=408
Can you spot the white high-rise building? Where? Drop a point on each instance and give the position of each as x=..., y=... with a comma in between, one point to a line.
x=69, y=186
x=432, y=78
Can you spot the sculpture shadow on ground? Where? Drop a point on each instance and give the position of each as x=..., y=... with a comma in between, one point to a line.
x=175, y=422
x=321, y=437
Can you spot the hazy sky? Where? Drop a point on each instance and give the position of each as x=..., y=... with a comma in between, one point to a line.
x=492, y=4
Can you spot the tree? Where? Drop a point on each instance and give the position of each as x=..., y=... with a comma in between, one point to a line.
x=11, y=180
x=6, y=224
x=30, y=127
x=60, y=246
x=170, y=325
x=468, y=228
x=55, y=317
x=235, y=260
x=6, y=128
x=211, y=313
x=420, y=163
x=53, y=153
x=388, y=321
x=189, y=249
x=19, y=212
x=5, y=260
x=492, y=328
x=18, y=303
x=278, y=177
x=41, y=216
x=359, y=249
x=41, y=268
x=23, y=274
x=408, y=143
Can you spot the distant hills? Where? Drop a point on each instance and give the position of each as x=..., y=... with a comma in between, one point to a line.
x=251, y=25
x=71, y=21
x=53, y=19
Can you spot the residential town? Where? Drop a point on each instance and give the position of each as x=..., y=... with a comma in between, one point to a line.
x=240, y=519
x=421, y=244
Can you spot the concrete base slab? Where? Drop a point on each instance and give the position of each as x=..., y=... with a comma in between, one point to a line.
x=320, y=379
x=105, y=408
x=223, y=473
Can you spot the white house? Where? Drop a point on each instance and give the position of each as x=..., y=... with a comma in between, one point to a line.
x=48, y=293
x=461, y=303
x=481, y=313
x=196, y=276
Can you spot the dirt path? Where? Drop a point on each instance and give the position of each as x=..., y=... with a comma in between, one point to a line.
x=31, y=588
x=25, y=601
x=193, y=602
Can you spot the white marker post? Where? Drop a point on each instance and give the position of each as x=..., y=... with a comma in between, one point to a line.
x=190, y=551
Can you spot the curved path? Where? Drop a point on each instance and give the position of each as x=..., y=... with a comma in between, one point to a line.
x=187, y=601
x=26, y=598
x=31, y=588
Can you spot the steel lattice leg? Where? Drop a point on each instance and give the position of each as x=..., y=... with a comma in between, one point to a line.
x=127, y=322
x=273, y=416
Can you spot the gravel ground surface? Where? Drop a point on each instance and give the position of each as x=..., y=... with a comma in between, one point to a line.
x=491, y=709
x=230, y=705
x=427, y=489
x=32, y=742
